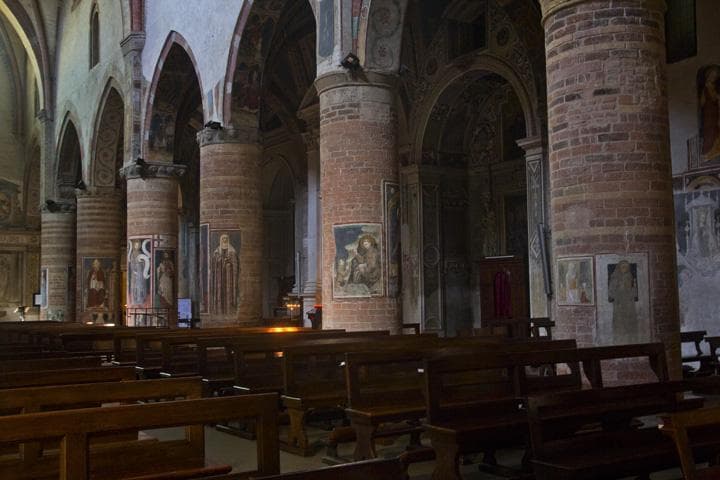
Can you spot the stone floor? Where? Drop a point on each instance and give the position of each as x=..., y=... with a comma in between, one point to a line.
x=223, y=448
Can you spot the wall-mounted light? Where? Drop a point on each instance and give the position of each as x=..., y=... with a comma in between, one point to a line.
x=351, y=62
x=140, y=162
x=81, y=185
x=52, y=206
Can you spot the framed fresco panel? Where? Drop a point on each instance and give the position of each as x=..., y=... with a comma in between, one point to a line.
x=98, y=278
x=139, y=272
x=224, y=269
x=165, y=275
x=10, y=272
x=623, y=299
x=575, y=281
x=358, y=267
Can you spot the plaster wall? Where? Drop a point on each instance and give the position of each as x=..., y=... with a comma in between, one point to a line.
x=79, y=87
x=682, y=88
x=208, y=27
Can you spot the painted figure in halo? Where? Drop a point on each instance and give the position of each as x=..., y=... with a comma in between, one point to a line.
x=224, y=277
x=165, y=274
x=710, y=113
x=623, y=294
x=365, y=265
x=96, y=285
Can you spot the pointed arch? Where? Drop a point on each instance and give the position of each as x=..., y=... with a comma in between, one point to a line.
x=108, y=136
x=174, y=39
x=68, y=165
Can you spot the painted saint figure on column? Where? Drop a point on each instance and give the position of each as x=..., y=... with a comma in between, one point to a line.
x=224, y=270
x=623, y=294
x=139, y=271
x=165, y=278
x=96, y=285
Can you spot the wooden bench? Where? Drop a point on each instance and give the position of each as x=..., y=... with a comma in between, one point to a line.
x=66, y=377
x=707, y=361
x=42, y=399
x=595, y=434
x=386, y=469
x=388, y=387
x=59, y=363
x=314, y=379
x=77, y=461
x=680, y=427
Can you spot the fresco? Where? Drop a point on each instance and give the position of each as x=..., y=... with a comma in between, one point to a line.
x=10, y=271
x=391, y=205
x=224, y=271
x=623, y=299
x=204, y=267
x=139, y=267
x=709, y=102
x=575, y=279
x=358, y=269
x=165, y=276
x=98, y=283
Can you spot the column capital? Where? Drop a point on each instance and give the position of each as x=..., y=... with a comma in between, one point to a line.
x=133, y=42
x=51, y=206
x=235, y=134
x=533, y=147
x=551, y=7
x=152, y=170
x=332, y=80
x=93, y=191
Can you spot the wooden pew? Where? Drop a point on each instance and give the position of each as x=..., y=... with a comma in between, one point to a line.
x=594, y=434
x=59, y=363
x=314, y=379
x=386, y=469
x=388, y=387
x=51, y=398
x=523, y=327
x=66, y=377
x=77, y=461
x=680, y=427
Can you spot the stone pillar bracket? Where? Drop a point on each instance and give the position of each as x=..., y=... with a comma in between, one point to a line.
x=212, y=136
x=133, y=42
x=153, y=170
x=58, y=207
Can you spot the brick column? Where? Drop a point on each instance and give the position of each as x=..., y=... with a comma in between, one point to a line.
x=99, y=228
x=358, y=150
x=57, y=247
x=610, y=175
x=152, y=231
x=231, y=211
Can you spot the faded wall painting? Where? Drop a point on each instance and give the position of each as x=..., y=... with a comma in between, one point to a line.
x=162, y=130
x=224, y=271
x=326, y=37
x=709, y=104
x=98, y=283
x=516, y=230
x=139, y=267
x=623, y=299
x=10, y=272
x=697, y=214
x=391, y=207
x=358, y=269
x=204, y=267
x=165, y=275
x=575, y=281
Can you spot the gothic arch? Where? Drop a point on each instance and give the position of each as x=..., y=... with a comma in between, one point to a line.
x=479, y=63
x=68, y=170
x=108, y=133
x=174, y=39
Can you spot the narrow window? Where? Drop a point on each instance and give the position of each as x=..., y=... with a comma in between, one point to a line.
x=94, y=37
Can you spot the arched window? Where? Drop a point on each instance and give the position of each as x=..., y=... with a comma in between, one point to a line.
x=94, y=37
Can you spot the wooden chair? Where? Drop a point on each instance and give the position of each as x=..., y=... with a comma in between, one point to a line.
x=680, y=427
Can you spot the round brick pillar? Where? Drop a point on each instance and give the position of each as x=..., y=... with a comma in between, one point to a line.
x=57, y=246
x=152, y=232
x=610, y=174
x=358, y=152
x=231, y=227
x=99, y=226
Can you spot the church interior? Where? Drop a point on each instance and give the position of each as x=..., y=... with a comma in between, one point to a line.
x=359, y=239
